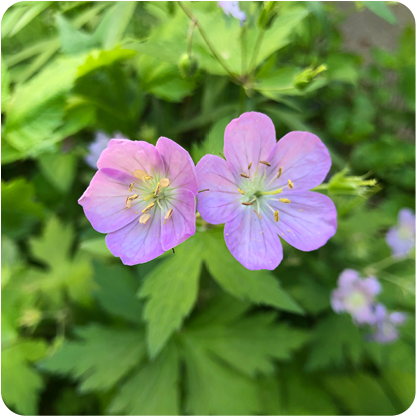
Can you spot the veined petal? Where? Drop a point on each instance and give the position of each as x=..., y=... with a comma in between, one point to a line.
x=181, y=224
x=304, y=159
x=128, y=156
x=179, y=167
x=137, y=243
x=104, y=201
x=252, y=241
x=248, y=140
x=306, y=223
x=222, y=202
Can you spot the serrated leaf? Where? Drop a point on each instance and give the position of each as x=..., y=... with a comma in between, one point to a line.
x=21, y=384
x=152, y=390
x=116, y=292
x=171, y=291
x=101, y=358
x=259, y=287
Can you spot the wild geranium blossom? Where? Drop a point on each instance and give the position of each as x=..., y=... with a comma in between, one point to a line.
x=385, y=329
x=402, y=238
x=261, y=191
x=143, y=196
x=97, y=146
x=356, y=296
x=232, y=8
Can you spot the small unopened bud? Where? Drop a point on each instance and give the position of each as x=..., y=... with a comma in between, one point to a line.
x=304, y=78
x=268, y=14
x=187, y=66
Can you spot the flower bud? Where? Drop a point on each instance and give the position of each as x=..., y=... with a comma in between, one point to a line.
x=188, y=66
x=268, y=14
x=304, y=78
x=341, y=183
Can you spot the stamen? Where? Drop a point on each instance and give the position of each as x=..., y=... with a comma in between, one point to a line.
x=168, y=214
x=249, y=166
x=147, y=208
x=202, y=191
x=144, y=218
x=131, y=186
x=284, y=200
x=244, y=175
x=164, y=182
x=134, y=197
x=259, y=216
x=290, y=184
x=247, y=204
x=142, y=175
x=147, y=177
x=279, y=191
x=128, y=202
x=276, y=215
x=157, y=189
x=159, y=204
x=265, y=163
x=241, y=191
x=279, y=172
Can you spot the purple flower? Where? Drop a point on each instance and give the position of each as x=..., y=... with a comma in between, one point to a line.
x=401, y=238
x=355, y=296
x=385, y=329
x=97, y=146
x=232, y=8
x=143, y=196
x=261, y=191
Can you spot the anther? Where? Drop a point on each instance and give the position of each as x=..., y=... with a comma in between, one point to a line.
x=244, y=175
x=290, y=184
x=202, y=191
x=276, y=215
x=241, y=191
x=157, y=190
x=265, y=163
x=249, y=166
x=133, y=197
x=144, y=218
x=168, y=214
x=279, y=172
x=131, y=186
x=147, y=177
x=128, y=202
x=284, y=200
x=164, y=182
x=147, y=208
x=247, y=204
x=142, y=175
x=259, y=216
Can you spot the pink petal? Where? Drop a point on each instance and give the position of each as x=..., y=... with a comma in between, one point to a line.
x=371, y=285
x=137, y=243
x=306, y=223
x=253, y=242
x=347, y=278
x=304, y=159
x=128, y=156
x=181, y=225
x=222, y=202
x=104, y=201
x=249, y=139
x=179, y=167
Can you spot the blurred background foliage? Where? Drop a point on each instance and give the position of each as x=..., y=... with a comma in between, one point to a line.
x=195, y=332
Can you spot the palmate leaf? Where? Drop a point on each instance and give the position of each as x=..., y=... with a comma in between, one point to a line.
x=100, y=358
x=21, y=384
x=171, y=291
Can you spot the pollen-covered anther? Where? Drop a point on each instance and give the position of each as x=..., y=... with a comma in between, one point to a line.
x=265, y=163
x=168, y=214
x=128, y=202
x=247, y=204
x=276, y=215
x=144, y=218
x=141, y=175
x=284, y=200
x=164, y=182
x=241, y=191
x=259, y=216
x=157, y=189
x=290, y=184
x=244, y=175
x=131, y=186
x=249, y=166
x=279, y=172
x=147, y=208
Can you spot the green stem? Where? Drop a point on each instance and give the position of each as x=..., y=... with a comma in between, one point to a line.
x=207, y=40
x=256, y=50
x=243, y=46
x=190, y=38
x=385, y=263
x=242, y=101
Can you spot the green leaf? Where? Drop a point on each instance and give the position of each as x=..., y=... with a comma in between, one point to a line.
x=96, y=246
x=21, y=384
x=260, y=287
x=59, y=169
x=171, y=291
x=30, y=13
x=381, y=10
x=336, y=339
x=101, y=358
x=5, y=84
x=116, y=292
x=152, y=390
x=19, y=210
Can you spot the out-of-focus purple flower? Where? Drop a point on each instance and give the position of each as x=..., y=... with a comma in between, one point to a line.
x=355, y=296
x=97, y=146
x=402, y=238
x=385, y=329
x=232, y=8
x=261, y=191
x=143, y=196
